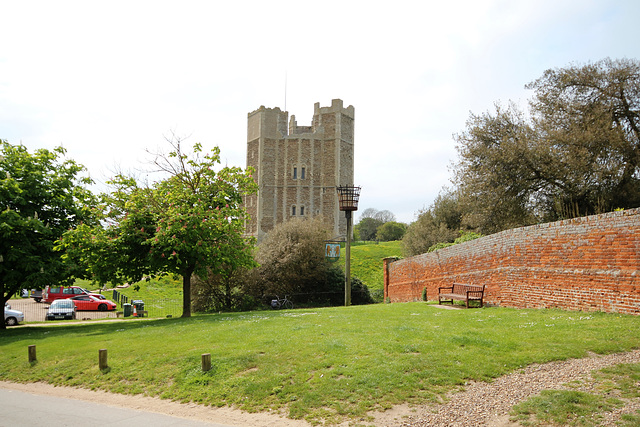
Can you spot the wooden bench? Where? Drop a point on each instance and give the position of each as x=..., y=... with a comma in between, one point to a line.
x=459, y=291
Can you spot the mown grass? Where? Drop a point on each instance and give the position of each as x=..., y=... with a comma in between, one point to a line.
x=329, y=364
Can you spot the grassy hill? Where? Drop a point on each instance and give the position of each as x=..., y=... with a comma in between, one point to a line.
x=366, y=263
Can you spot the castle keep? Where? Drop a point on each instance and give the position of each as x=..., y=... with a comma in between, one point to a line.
x=299, y=167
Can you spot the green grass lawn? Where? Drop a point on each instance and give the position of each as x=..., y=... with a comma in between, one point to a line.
x=330, y=364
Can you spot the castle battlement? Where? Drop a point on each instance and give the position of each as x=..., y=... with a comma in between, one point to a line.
x=299, y=167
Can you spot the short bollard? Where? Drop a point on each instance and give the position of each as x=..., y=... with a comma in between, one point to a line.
x=206, y=362
x=32, y=353
x=102, y=359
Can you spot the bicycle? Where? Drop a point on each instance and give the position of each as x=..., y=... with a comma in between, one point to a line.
x=279, y=303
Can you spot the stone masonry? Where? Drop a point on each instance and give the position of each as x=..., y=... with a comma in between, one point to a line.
x=298, y=168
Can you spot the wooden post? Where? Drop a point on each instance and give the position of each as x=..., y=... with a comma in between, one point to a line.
x=102, y=359
x=32, y=353
x=206, y=362
x=347, y=263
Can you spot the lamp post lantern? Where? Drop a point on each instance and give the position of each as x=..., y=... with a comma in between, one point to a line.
x=348, y=197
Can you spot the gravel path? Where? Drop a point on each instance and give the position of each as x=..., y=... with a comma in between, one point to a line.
x=488, y=404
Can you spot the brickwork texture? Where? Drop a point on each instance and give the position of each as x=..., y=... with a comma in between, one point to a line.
x=588, y=264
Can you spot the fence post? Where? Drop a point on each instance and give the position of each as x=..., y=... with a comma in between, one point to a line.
x=32, y=353
x=102, y=359
x=206, y=362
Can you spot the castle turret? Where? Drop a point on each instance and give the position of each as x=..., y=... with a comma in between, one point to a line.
x=299, y=167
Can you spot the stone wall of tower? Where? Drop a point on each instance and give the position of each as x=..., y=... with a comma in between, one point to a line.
x=299, y=167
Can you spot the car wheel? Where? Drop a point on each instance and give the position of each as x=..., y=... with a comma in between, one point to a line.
x=102, y=307
x=38, y=299
x=11, y=321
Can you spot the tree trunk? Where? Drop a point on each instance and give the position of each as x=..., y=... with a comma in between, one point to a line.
x=3, y=299
x=186, y=293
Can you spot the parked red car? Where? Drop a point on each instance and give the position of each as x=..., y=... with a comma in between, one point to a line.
x=92, y=303
x=52, y=293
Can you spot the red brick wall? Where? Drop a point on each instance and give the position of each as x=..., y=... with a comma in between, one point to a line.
x=590, y=264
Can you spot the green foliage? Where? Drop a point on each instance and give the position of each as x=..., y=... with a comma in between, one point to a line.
x=292, y=261
x=576, y=153
x=465, y=236
x=370, y=222
x=438, y=224
x=191, y=221
x=41, y=196
x=223, y=292
x=367, y=228
x=333, y=292
x=390, y=231
x=322, y=365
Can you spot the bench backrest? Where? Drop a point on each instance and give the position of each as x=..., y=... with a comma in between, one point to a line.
x=459, y=288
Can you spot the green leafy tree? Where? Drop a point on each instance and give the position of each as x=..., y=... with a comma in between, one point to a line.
x=465, y=236
x=440, y=223
x=190, y=222
x=370, y=221
x=390, y=231
x=576, y=153
x=42, y=195
x=367, y=228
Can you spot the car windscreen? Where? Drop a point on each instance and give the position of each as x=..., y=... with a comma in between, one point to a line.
x=62, y=303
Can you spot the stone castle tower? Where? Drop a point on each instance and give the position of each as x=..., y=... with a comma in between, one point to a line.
x=299, y=167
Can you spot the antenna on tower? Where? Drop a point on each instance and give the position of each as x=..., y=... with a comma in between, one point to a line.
x=285, y=90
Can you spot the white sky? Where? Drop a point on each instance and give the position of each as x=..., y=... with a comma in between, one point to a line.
x=108, y=80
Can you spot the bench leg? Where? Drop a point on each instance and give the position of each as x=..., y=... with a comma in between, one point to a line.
x=441, y=300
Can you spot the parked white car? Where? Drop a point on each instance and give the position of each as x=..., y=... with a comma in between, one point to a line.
x=12, y=317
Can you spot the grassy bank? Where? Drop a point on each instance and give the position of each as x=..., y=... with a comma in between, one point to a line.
x=324, y=364
x=366, y=263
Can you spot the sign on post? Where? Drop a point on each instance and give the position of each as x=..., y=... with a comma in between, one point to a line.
x=332, y=251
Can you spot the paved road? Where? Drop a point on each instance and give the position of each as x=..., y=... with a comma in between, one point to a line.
x=18, y=408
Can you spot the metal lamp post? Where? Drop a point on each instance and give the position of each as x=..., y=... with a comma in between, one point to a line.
x=348, y=197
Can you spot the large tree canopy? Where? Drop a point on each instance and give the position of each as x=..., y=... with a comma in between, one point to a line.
x=191, y=221
x=576, y=153
x=41, y=197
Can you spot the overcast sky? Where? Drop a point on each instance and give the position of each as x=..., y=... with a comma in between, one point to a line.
x=108, y=80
